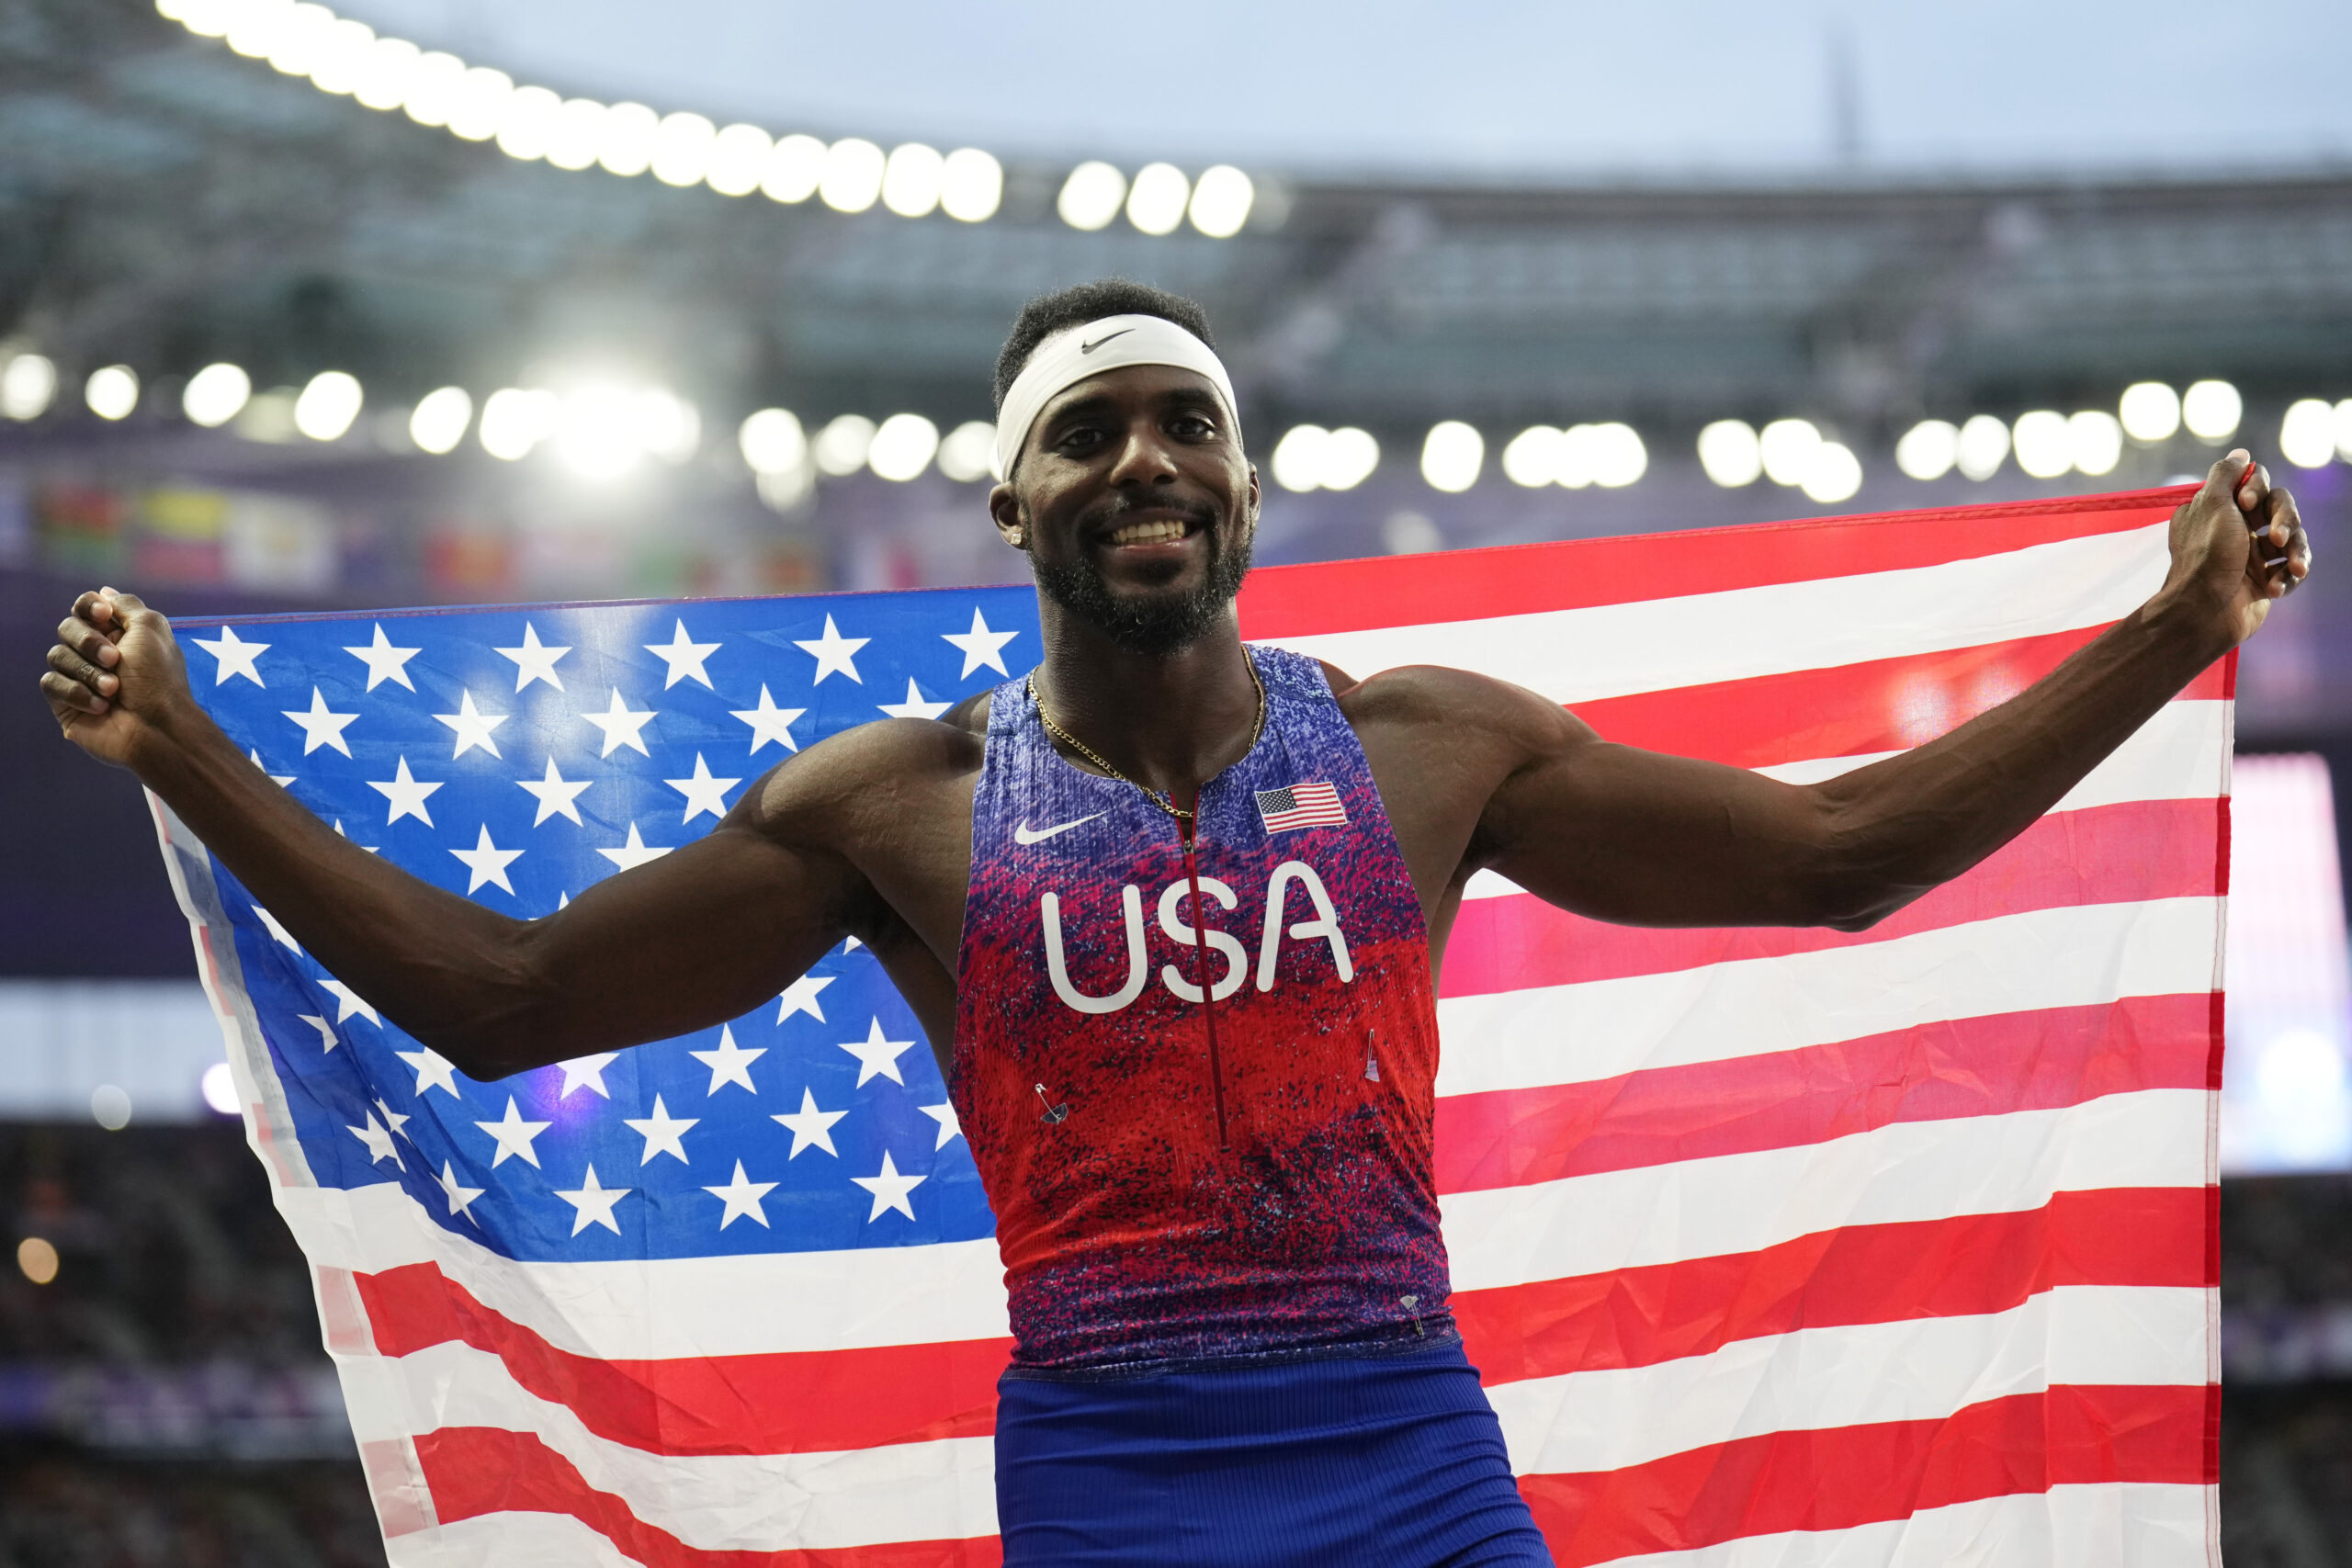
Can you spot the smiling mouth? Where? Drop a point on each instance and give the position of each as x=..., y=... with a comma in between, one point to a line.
x=1158, y=530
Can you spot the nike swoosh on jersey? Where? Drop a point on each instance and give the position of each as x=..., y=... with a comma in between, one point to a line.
x=1023, y=835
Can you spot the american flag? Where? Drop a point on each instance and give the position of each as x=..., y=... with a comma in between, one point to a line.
x=1775, y=1246
x=1301, y=806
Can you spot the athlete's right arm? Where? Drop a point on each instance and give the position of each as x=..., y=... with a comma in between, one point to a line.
x=698, y=936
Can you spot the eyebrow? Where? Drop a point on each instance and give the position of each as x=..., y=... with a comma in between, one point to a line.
x=1098, y=402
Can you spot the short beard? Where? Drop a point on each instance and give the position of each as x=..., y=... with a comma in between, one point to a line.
x=1152, y=625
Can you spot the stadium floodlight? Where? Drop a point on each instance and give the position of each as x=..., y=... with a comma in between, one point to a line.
x=112, y=391
x=576, y=134
x=971, y=185
x=527, y=123
x=214, y=395
x=2307, y=436
x=1531, y=459
x=2344, y=430
x=387, y=72
x=668, y=426
x=598, y=434
x=2150, y=412
x=1092, y=196
x=793, y=170
x=219, y=1087
x=839, y=448
x=433, y=96
x=773, y=441
x=2043, y=448
x=1787, y=447
x=517, y=419
x=481, y=107
x=911, y=179
x=2095, y=442
x=968, y=453
x=1156, y=200
x=439, y=419
x=854, y=171
x=2212, y=409
x=330, y=401
x=739, y=157
x=902, y=446
x=28, y=386
x=300, y=37
x=341, y=56
x=1984, y=447
x=254, y=27
x=1221, y=200
x=1297, y=461
x=1577, y=464
x=627, y=146
x=1832, y=473
x=1350, y=456
x=1452, y=456
x=1928, y=449
x=1619, y=458
x=682, y=144
x=1731, y=453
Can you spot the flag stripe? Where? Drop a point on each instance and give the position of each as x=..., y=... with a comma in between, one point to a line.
x=1836, y=1479
x=1977, y=1066
x=1460, y=585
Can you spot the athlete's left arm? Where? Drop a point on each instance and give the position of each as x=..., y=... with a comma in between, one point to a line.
x=1644, y=839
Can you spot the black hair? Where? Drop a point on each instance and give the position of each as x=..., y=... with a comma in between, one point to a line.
x=1083, y=302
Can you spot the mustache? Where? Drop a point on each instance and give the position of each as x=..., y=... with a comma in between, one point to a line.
x=1106, y=513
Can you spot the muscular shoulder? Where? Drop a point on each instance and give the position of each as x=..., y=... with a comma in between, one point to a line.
x=1456, y=708
x=861, y=782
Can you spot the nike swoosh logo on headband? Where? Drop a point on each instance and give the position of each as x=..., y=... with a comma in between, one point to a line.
x=1098, y=342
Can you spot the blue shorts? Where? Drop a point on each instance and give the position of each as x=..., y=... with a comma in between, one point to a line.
x=1393, y=1458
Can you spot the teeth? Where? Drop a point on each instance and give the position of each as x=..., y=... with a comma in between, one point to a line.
x=1148, y=533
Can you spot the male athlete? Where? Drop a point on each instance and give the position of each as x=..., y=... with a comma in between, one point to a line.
x=1193, y=1052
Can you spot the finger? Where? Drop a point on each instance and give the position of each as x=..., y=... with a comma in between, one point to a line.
x=2285, y=519
x=73, y=667
x=71, y=696
x=87, y=640
x=2250, y=486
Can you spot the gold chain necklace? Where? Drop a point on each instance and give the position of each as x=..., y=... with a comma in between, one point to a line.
x=1091, y=755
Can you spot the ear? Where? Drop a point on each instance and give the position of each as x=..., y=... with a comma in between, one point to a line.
x=1256, y=495
x=1004, y=511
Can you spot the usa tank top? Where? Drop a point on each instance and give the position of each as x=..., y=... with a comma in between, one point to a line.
x=1199, y=1088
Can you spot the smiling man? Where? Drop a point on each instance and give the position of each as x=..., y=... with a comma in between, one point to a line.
x=1170, y=913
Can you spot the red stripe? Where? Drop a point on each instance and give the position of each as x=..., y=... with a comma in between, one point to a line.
x=1962, y=1265
x=802, y=1402
x=1515, y=579
x=1881, y=704
x=474, y=1471
x=1840, y=1477
x=1988, y=1065
x=2104, y=854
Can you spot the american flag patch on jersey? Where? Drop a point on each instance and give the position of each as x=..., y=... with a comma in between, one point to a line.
x=1301, y=806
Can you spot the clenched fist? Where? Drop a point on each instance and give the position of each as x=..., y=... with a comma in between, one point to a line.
x=2237, y=546
x=114, y=677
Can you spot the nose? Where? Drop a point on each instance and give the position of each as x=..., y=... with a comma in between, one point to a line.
x=1144, y=459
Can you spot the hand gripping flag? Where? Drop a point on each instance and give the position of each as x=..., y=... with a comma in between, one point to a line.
x=1782, y=1246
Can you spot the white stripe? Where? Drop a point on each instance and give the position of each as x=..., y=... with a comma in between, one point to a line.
x=940, y=1489
x=1908, y=1170
x=2110, y=1524
x=1918, y=1370
x=2080, y=956
x=506, y=1540
x=659, y=1308
x=1656, y=645
x=2181, y=754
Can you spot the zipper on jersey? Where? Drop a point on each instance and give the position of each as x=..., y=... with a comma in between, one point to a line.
x=1186, y=828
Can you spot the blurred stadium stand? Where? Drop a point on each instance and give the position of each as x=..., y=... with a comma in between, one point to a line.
x=166, y=204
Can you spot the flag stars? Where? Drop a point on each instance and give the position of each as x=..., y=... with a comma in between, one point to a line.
x=703, y=792
x=801, y=996
x=949, y=1127
x=535, y=661
x=889, y=1189
x=743, y=1199
x=235, y=656
x=513, y=1135
x=393, y=1119
x=770, y=722
x=622, y=727
x=458, y=1194
x=406, y=794
x=634, y=853
x=586, y=1072
x=593, y=1203
x=280, y=780
x=835, y=654
x=378, y=1140
x=471, y=727
x=348, y=1001
x=487, y=864
x=981, y=646
x=278, y=933
x=810, y=1128
x=321, y=727
x=662, y=1133
x=685, y=658
x=384, y=661
x=433, y=1071
x=327, y=1041
x=557, y=795
x=731, y=1062
x=877, y=1057
x=914, y=706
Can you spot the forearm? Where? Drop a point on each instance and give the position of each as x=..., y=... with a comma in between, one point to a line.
x=1901, y=827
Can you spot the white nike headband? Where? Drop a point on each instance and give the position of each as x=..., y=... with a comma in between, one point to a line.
x=1112, y=343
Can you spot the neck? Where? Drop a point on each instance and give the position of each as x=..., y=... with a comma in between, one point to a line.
x=1169, y=723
